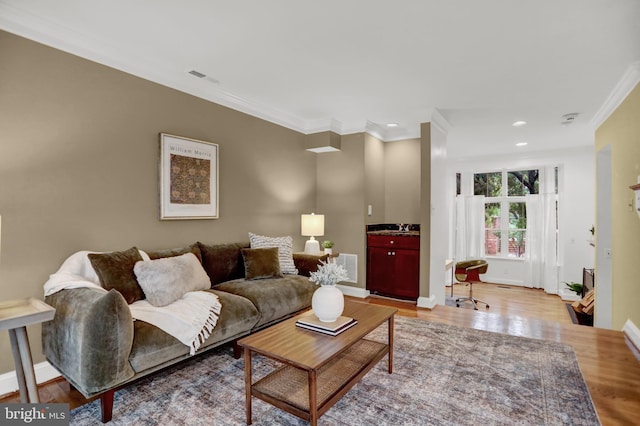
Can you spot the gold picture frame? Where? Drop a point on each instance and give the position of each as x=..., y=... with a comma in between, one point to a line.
x=188, y=178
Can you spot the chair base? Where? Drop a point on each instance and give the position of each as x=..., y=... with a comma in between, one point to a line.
x=473, y=300
x=470, y=298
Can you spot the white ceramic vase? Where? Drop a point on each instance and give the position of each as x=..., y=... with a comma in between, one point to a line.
x=327, y=303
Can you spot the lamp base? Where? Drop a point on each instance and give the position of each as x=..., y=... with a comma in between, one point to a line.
x=312, y=246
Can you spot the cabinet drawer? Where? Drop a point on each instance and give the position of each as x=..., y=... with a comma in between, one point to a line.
x=390, y=241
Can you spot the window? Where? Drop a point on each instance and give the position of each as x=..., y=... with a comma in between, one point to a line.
x=487, y=184
x=505, y=211
x=521, y=183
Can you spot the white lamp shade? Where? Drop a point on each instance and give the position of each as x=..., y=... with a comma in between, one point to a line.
x=312, y=225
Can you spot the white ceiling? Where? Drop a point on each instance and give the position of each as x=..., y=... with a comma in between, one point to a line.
x=354, y=65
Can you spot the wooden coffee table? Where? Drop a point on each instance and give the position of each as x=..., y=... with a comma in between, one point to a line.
x=317, y=369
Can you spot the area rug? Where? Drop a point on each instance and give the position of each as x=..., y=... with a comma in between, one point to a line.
x=442, y=375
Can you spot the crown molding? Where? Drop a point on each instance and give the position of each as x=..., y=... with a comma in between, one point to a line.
x=32, y=27
x=402, y=135
x=50, y=33
x=375, y=130
x=438, y=120
x=629, y=80
x=323, y=125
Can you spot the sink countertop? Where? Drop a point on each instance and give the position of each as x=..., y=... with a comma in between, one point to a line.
x=395, y=233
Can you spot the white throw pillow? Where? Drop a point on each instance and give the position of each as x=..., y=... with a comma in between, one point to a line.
x=285, y=250
x=166, y=280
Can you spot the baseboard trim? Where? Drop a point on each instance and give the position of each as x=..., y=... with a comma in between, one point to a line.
x=354, y=291
x=632, y=332
x=568, y=295
x=44, y=372
x=427, y=302
x=498, y=280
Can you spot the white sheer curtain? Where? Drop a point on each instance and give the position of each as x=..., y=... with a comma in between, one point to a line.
x=469, y=227
x=541, y=257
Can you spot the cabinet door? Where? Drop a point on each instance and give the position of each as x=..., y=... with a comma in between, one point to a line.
x=407, y=273
x=380, y=267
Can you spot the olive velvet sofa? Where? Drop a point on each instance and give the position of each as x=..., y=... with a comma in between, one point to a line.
x=98, y=347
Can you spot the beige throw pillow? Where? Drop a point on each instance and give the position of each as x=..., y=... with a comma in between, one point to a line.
x=167, y=279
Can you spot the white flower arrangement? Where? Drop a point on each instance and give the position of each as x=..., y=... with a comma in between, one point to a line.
x=329, y=274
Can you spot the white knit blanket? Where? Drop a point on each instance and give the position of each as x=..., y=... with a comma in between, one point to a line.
x=190, y=319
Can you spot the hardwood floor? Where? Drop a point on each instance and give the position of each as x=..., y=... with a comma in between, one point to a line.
x=609, y=362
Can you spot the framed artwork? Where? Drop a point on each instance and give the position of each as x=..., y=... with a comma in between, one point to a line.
x=188, y=178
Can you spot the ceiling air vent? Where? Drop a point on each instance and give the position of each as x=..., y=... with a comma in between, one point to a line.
x=197, y=74
x=569, y=118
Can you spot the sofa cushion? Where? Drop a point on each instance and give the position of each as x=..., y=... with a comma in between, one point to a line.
x=275, y=298
x=159, y=254
x=115, y=270
x=308, y=263
x=152, y=347
x=285, y=250
x=223, y=262
x=168, y=279
x=261, y=263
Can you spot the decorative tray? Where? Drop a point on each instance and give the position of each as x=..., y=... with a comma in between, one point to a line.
x=23, y=312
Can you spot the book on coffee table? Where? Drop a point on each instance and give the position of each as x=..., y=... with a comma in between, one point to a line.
x=332, y=328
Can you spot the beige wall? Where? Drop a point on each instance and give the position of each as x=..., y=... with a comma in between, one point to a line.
x=622, y=132
x=341, y=198
x=425, y=209
x=402, y=181
x=360, y=175
x=375, y=178
x=78, y=168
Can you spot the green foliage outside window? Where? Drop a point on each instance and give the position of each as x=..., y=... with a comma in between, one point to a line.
x=512, y=232
x=520, y=183
x=487, y=184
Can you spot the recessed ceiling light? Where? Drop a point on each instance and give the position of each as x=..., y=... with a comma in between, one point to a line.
x=522, y=144
x=392, y=125
x=519, y=123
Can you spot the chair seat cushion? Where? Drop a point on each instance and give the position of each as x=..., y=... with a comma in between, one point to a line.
x=470, y=270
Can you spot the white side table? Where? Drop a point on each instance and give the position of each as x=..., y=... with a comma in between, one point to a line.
x=15, y=316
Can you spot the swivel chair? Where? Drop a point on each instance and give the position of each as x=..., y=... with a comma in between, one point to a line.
x=469, y=272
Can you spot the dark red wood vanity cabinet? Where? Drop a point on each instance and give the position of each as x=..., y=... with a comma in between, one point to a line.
x=393, y=265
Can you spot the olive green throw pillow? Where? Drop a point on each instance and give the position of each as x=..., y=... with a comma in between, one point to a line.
x=115, y=270
x=308, y=263
x=223, y=262
x=285, y=250
x=261, y=263
x=159, y=254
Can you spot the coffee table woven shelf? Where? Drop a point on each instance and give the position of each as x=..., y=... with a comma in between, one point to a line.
x=289, y=384
x=317, y=369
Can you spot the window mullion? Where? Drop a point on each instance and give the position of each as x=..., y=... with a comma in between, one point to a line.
x=504, y=227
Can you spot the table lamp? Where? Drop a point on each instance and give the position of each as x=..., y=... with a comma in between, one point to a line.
x=312, y=225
